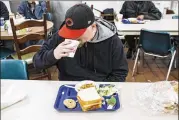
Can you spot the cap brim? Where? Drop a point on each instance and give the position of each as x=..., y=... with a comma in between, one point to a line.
x=69, y=33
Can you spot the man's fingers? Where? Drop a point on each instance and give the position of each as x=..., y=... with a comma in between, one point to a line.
x=67, y=50
x=66, y=42
x=64, y=54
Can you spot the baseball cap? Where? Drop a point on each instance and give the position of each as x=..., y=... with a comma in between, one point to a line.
x=77, y=19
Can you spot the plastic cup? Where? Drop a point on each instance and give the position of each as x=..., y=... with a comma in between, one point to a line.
x=74, y=45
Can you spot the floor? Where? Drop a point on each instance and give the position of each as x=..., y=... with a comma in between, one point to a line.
x=153, y=70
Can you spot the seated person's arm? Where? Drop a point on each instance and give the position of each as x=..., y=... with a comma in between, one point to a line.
x=43, y=5
x=153, y=13
x=21, y=9
x=40, y=9
x=45, y=57
x=4, y=11
x=128, y=11
x=51, y=51
x=119, y=62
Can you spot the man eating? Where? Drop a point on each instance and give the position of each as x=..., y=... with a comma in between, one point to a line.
x=99, y=57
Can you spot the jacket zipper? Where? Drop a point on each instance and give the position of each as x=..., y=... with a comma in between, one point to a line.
x=86, y=58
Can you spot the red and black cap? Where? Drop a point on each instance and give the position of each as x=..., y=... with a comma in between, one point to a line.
x=77, y=19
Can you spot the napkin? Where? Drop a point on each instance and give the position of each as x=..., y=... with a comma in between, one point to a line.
x=10, y=95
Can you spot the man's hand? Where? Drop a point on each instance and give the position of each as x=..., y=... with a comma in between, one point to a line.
x=62, y=50
x=140, y=17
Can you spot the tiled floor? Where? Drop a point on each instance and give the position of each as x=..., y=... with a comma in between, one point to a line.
x=153, y=70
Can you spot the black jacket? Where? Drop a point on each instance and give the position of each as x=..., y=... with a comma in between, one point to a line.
x=131, y=9
x=101, y=61
x=4, y=11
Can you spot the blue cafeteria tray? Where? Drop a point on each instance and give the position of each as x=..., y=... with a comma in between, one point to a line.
x=70, y=93
x=126, y=21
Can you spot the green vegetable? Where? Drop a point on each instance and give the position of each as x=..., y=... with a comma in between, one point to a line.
x=107, y=90
x=111, y=101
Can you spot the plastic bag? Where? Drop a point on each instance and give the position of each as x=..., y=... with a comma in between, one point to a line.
x=10, y=95
x=158, y=98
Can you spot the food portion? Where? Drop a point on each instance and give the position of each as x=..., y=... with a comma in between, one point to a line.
x=111, y=102
x=89, y=99
x=172, y=107
x=107, y=90
x=69, y=103
x=85, y=84
x=175, y=86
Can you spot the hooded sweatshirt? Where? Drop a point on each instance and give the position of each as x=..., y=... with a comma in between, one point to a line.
x=101, y=59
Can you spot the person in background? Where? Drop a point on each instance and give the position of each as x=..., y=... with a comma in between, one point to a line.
x=4, y=11
x=58, y=10
x=99, y=57
x=140, y=10
x=32, y=9
x=5, y=14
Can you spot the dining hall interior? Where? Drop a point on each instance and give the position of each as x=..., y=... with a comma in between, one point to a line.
x=62, y=58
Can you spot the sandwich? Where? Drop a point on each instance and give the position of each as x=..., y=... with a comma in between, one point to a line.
x=89, y=99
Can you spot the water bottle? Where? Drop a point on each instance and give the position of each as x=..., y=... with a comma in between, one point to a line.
x=2, y=23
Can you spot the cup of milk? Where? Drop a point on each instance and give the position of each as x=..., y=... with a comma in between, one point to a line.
x=74, y=45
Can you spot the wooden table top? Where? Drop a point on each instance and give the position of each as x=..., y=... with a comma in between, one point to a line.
x=6, y=36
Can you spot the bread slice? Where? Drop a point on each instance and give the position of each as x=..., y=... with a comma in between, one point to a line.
x=89, y=99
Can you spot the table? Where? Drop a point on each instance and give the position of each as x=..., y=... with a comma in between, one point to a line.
x=6, y=36
x=42, y=94
x=163, y=25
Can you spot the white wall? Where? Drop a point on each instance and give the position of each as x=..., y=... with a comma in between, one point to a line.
x=101, y=5
x=175, y=6
x=162, y=4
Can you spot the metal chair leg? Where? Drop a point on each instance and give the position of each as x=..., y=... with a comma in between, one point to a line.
x=171, y=63
x=135, y=61
x=138, y=63
x=143, y=59
x=175, y=64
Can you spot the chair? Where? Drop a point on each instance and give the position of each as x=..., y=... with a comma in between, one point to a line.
x=175, y=39
x=175, y=17
x=48, y=5
x=5, y=52
x=14, y=69
x=28, y=52
x=156, y=44
x=109, y=15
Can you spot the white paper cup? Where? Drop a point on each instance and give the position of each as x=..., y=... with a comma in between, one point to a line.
x=74, y=44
